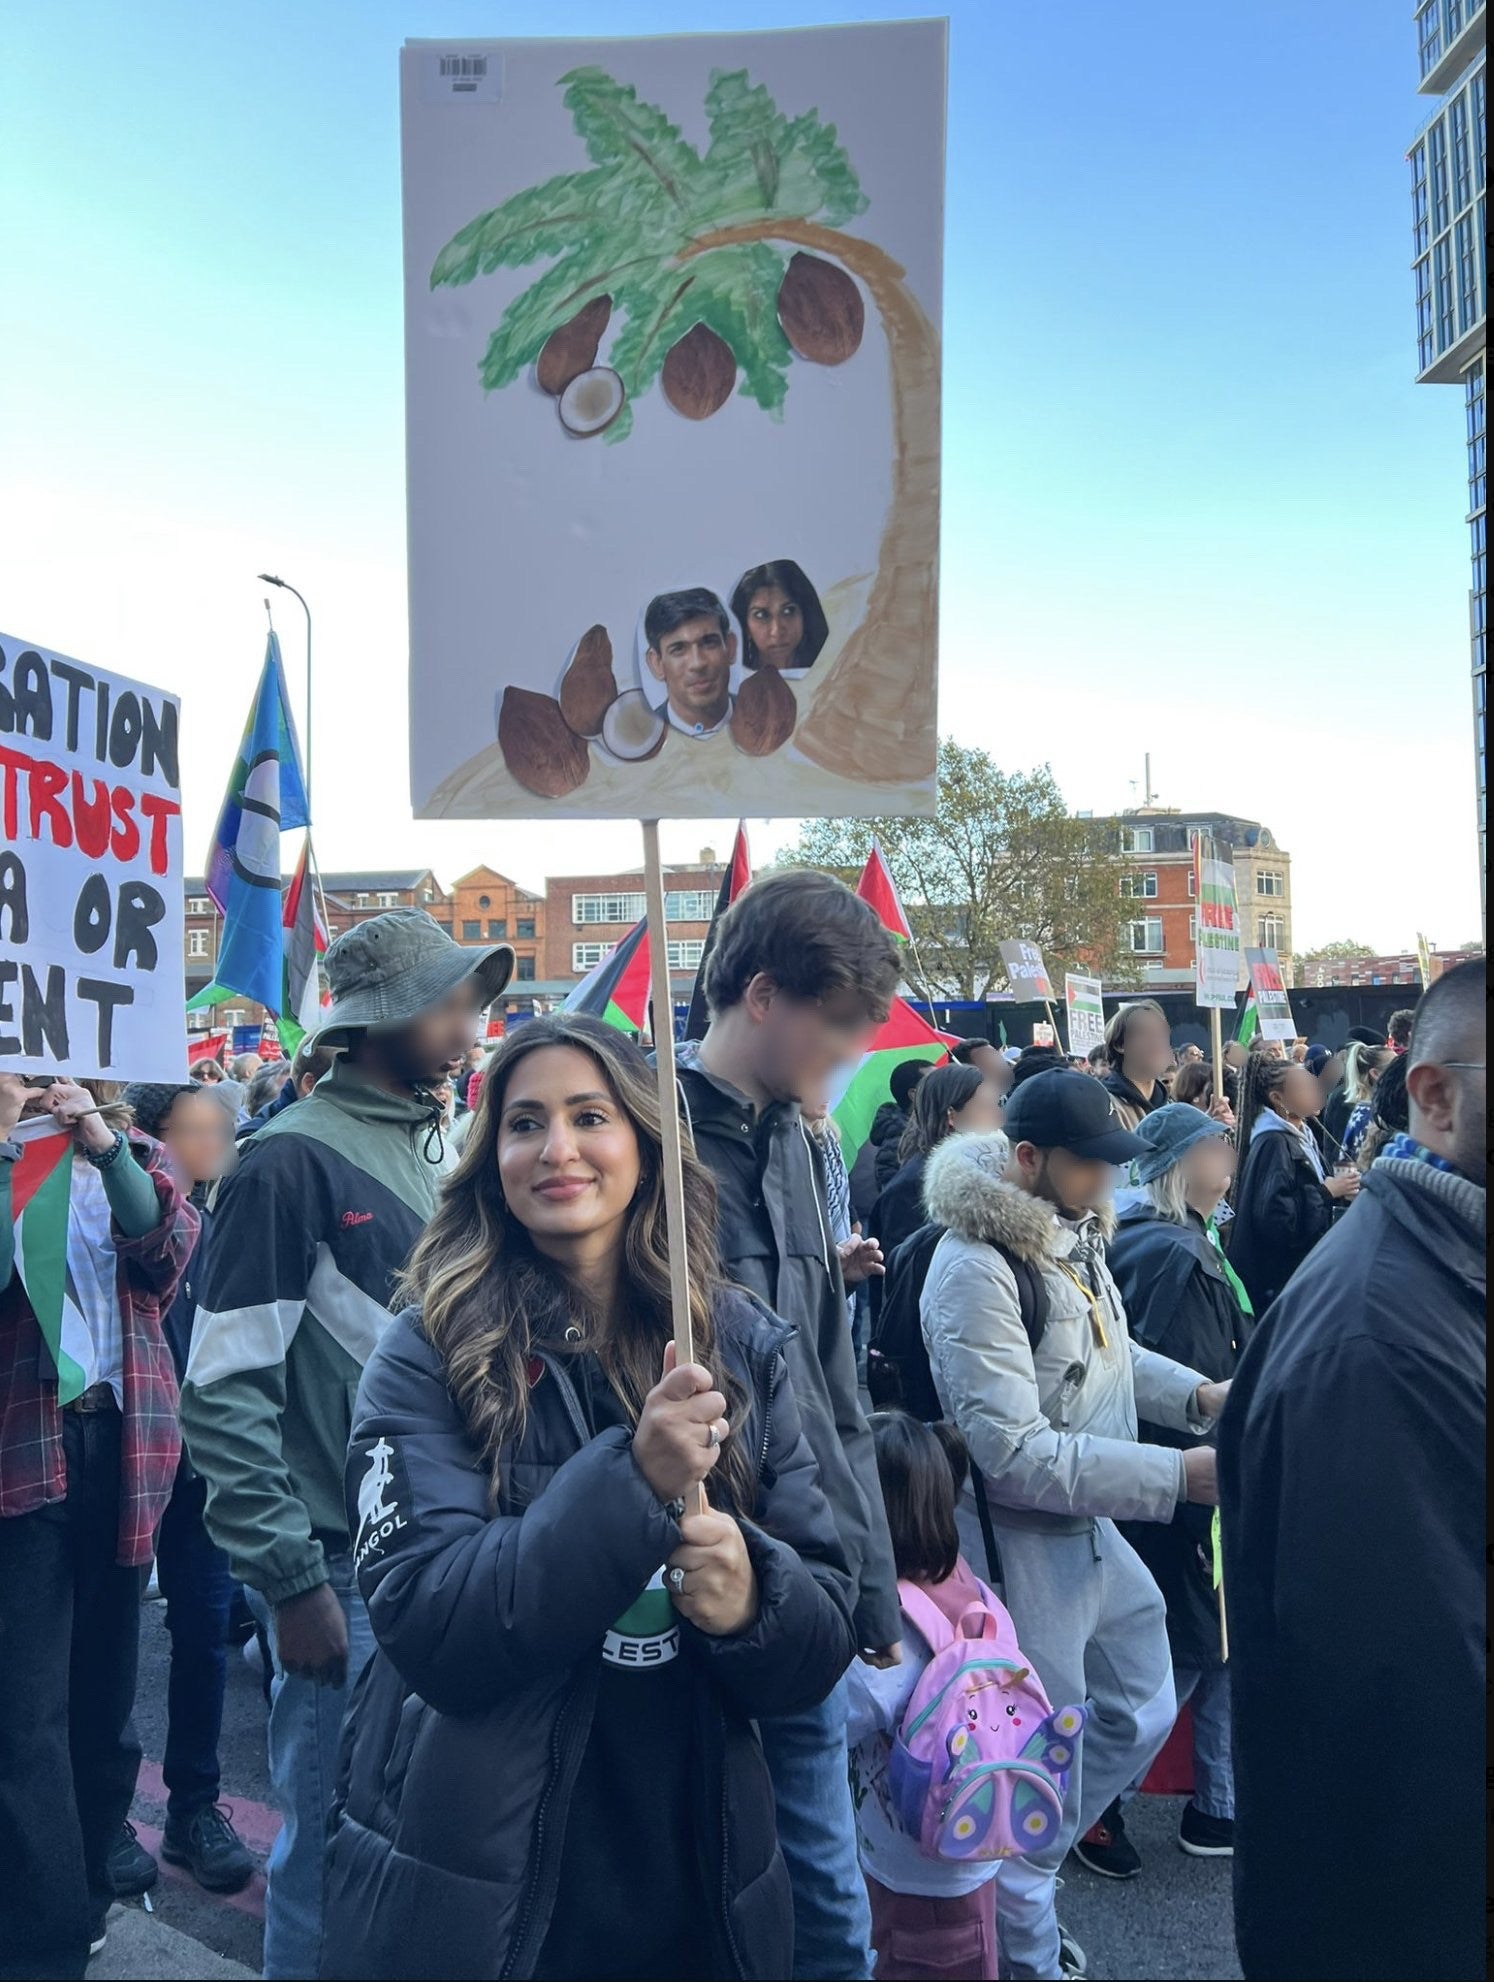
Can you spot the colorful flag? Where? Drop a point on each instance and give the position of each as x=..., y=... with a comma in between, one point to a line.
x=305, y=941
x=40, y=1187
x=205, y=1046
x=1250, y=1019
x=877, y=887
x=734, y=882
x=616, y=989
x=266, y=797
x=905, y=1036
x=1216, y=926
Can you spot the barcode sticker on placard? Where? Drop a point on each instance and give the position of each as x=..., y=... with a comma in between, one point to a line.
x=465, y=76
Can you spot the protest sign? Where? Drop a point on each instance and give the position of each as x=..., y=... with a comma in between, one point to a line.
x=1423, y=959
x=672, y=405
x=1273, y=1007
x=91, y=974
x=1026, y=972
x=1043, y=1034
x=1086, y=1008
x=1216, y=927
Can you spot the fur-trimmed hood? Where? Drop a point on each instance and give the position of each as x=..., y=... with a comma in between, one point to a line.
x=963, y=1191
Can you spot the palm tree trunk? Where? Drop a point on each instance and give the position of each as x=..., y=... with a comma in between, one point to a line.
x=872, y=717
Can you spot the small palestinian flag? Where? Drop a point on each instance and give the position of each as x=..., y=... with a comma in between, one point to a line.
x=1250, y=1020
x=876, y=886
x=616, y=990
x=305, y=939
x=736, y=880
x=40, y=1187
x=905, y=1036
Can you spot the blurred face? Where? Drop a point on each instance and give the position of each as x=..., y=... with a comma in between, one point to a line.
x=989, y=1064
x=980, y=1114
x=1147, y=1052
x=1071, y=1184
x=800, y=1043
x=568, y=1156
x=1188, y=1054
x=1207, y=1169
x=775, y=627
x=425, y=1051
x=694, y=661
x=1300, y=1093
x=199, y=1134
x=210, y=1072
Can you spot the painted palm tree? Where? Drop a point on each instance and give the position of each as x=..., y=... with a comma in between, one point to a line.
x=706, y=265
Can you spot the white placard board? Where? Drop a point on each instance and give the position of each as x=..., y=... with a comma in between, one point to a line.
x=91, y=970
x=1086, y=1009
x=1216, y=942
x=1272, y=1006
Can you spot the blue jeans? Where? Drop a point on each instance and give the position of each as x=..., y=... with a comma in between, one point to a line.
x=1213, y=1772
x=305, y=1728
x=197, y=1587
x=807, y=1760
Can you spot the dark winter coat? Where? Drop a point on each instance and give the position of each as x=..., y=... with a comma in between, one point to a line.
x=467, y=1727
x=286, y=1098
x=1281, y=1211
x=1351, y=1466
x=1179, y=1302
x=898, y=1211
x=889, y=1125
x=1131, y=1105
x=775, y=1241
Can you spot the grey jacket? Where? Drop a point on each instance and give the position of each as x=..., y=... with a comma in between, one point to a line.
x=1053, y=1429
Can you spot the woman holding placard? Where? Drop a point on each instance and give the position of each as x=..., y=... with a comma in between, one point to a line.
x=549, y=1767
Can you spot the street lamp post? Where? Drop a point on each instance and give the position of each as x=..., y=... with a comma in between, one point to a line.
x=267, y=578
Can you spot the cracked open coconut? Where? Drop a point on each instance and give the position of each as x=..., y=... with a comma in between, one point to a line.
x=591, y=402
x=633, y=729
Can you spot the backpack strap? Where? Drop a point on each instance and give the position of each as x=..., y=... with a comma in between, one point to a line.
x=987, y=1532
x=1032, y=1294
x=931, y=1622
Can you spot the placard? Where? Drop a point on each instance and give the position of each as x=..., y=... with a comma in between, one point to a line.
x=91, y=970
x=1026, y=972
x=1272, y=1006
x=1086, y=1009
x=672, y=314
x=1216, y=921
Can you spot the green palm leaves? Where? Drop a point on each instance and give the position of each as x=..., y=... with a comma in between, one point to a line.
x=637, y=228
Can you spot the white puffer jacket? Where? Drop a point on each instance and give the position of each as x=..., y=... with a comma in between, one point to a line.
x=1052, y=1430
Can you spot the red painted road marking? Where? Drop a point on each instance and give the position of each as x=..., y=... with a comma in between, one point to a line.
x=256, y=1823
x=251, y=1900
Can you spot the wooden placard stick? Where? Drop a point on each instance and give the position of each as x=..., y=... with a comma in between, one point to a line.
x=672, y=1146
x=1216, y=1043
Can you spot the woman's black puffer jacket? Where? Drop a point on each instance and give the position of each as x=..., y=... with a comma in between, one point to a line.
x=467, y=1727
x=1281, y=1211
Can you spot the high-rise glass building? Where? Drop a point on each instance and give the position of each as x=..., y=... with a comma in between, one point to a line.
x=1447, y=160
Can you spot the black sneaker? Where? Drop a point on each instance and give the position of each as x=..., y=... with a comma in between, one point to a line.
x=211, y=1849
x=1105, y=1848
x=98, y=1931
x=1203, y=1836
x=130, y=1868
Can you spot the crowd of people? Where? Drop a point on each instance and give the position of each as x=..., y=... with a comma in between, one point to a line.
x=817, y=1652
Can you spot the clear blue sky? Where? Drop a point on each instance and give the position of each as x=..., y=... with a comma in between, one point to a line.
x=1194, y=503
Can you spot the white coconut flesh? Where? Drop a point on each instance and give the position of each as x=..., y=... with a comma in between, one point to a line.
x=591, y=401
x=632, y=728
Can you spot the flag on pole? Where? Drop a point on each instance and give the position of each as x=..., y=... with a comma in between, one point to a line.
x=1250, y=1020
x=266, y=797
x=616, y=989
x=877, y=887
x=734, y=882
x=905, y=1036
x=305, y=940
x=40, y=1187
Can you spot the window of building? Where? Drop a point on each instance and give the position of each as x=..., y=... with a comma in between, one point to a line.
x=387, y=898
x=1139, y=887
x=1419, y=223
x=1462, y=171
x=524, y=970
x=1268, y=881
x=1437, y=151
x=1192, y=883
x=1426, y=342
x=497, y=929
x=1429, y=35
x=686, y=955
x=471, y=932
x=360, y=901
x=197, y=943
x=524, y=927
x=233, y=1016
x=1270, y=932
x=427, y=894
x=1138, y=839
x=484, y=901
x=1146, y=936
x=586, y=956
x=1443, y=303
x=1480, y=127
x=689, y=905
x=199, y=905
x=607, y=908
x=1468, y=310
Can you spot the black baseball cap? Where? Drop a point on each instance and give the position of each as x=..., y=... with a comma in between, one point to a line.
x=1064, y=1109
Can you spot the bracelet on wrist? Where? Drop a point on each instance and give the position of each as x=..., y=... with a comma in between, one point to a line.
x=105, y=1159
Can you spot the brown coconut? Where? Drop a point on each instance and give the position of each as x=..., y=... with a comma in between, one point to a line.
x=539, y=746
x=589, y=688
x=821, y=310
x=764, y=717
x=699, y=373
x=572, y=349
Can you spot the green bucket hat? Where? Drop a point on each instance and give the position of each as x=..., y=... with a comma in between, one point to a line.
x=390, y=969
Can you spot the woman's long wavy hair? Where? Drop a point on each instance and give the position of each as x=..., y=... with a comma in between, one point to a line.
x=488, y=1299
x=941, y=1090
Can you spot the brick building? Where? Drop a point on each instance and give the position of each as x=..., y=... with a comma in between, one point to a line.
x=486, y=907
x=1359, y=971
x=586, y=915
x=1153, y=845
x=354, y=897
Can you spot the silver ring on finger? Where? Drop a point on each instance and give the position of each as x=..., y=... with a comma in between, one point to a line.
x=713, y=1436
x=676, y=1581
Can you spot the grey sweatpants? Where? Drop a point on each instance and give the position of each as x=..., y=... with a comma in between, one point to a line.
x=1093, y=1624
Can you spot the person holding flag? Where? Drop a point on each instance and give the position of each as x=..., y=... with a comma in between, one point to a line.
x=95, y=1233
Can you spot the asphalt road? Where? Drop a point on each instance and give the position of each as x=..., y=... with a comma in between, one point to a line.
x=1174, y=1920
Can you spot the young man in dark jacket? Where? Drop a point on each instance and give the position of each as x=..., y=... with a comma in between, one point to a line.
x=800, y=975
x=1351, y=1465
x=308, y=1235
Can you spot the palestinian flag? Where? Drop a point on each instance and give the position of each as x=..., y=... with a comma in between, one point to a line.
x=41, y=1184
x=876, y=886
x=905, y=1036
x=1250, y=1019
x=305, y=939
x=734, y=882
x=616, y=990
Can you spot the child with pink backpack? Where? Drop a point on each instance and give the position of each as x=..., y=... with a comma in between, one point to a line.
x=958, y=1760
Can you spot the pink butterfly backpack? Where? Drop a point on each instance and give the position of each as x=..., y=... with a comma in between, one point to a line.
x=980, y=1764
